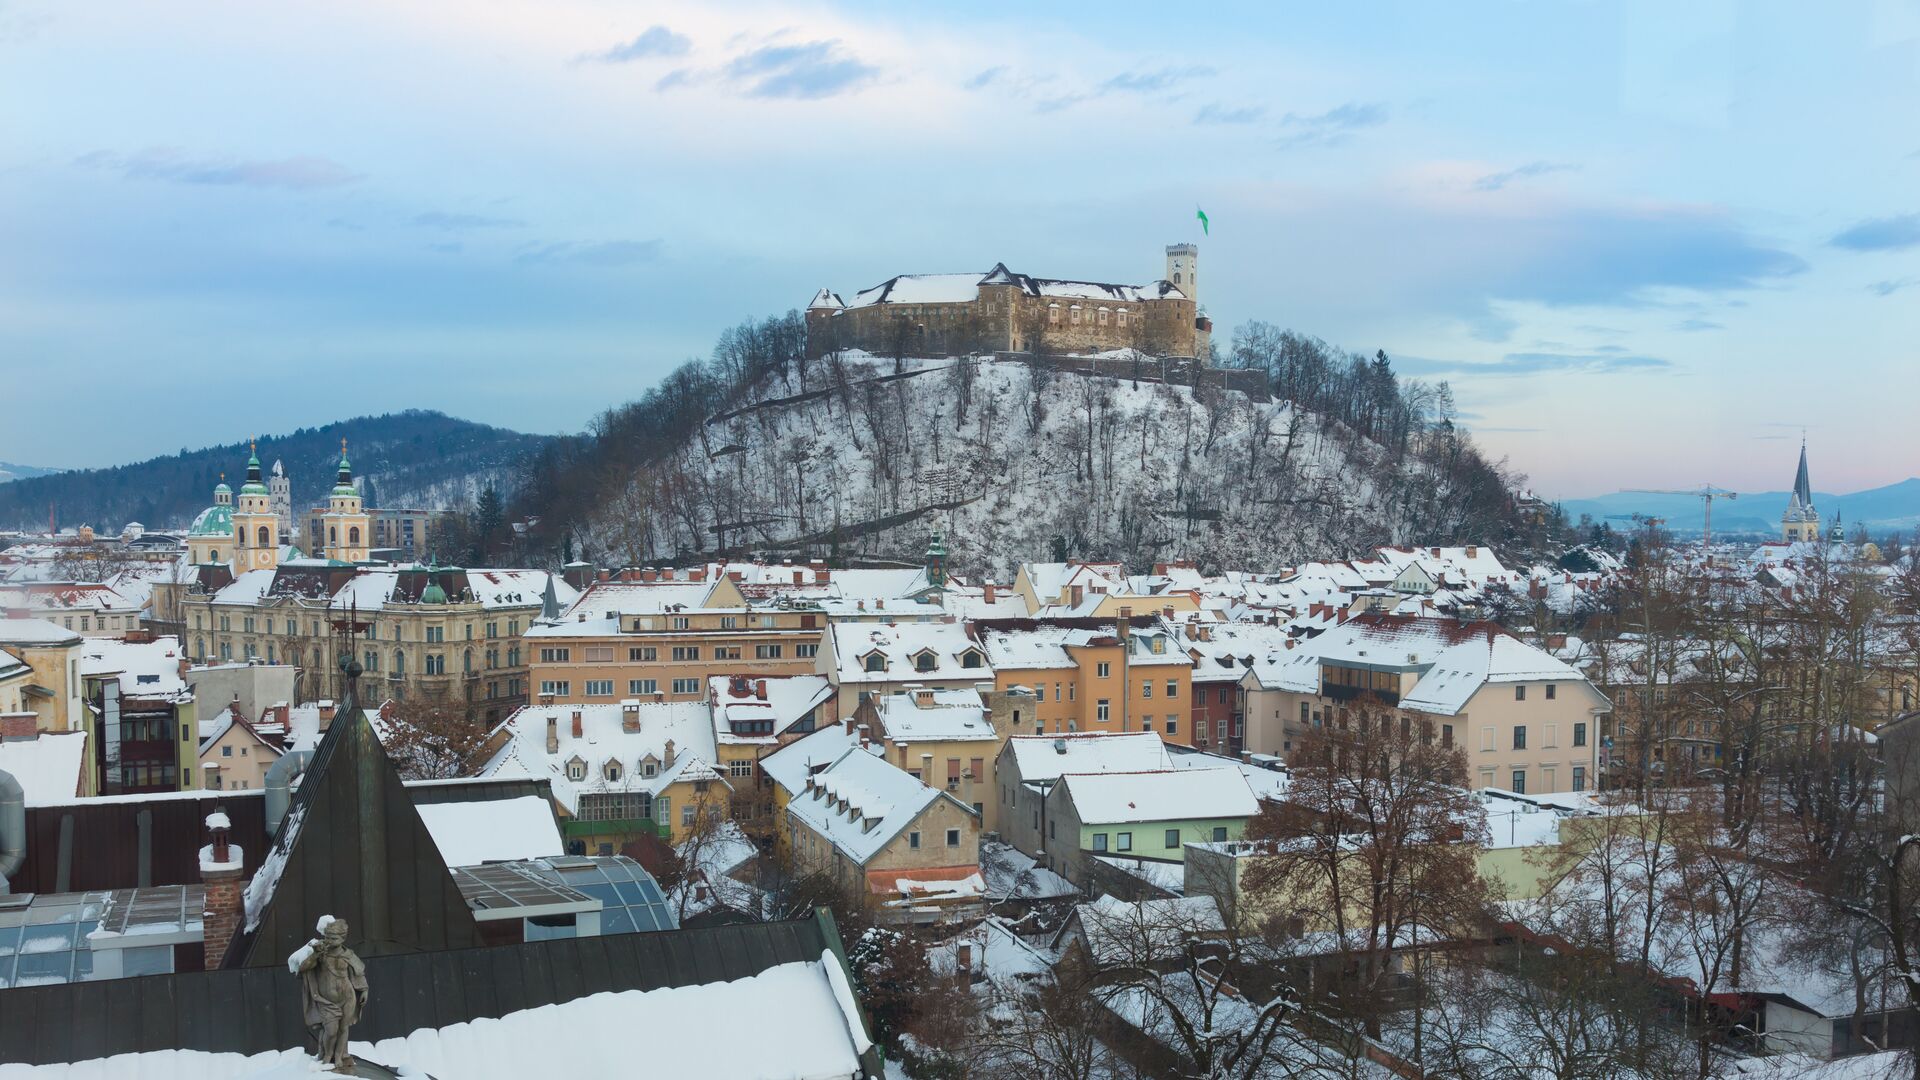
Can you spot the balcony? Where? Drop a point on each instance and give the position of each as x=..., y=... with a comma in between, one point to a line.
x=1342, y=692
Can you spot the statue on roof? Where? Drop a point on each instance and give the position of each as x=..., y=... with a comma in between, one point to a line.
x=333, y=991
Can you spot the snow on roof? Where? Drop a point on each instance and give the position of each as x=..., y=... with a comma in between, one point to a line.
x=807, y=1027
x=494, y=588
x=1117, y=798
x=825, y=299
x=49, y=765
x=917, y=714
x=494, y=830
x=921, y=289
x=860, y=802
x=146, y=669
x=790, y=765
x=65, y=596
x=901, y=644
x=740, y=713
x=11, y=665
x=1049, y=646
x=1117, y=929
x=610, y=599
x=1459, y=672
x=687, y=724
x=33, y=632
x=1265, y=783
x=251, y=586
x=965, y=288
x=1047, y=757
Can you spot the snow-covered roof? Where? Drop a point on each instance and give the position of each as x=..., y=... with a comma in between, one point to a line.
x=1118, y=798
x=790, y=765
x=1459, y=672
x=504, y=588
x=611, y=599
x=965, y=288
x=688, y=725
x=1117, y=930
x=761, y=709
x=84, y=596
x=33, y=633
x=901, y=644
x=149, y=669
x=859, y=802
x=919, y=714
x=49, y=766
x=1049, y=646
x=493, y=830
x=1047, y=757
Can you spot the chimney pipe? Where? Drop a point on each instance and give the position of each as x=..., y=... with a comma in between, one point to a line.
x=223, y=872
x=553, y=734
x=760, y=689
x=279, y=784
x=578, y=733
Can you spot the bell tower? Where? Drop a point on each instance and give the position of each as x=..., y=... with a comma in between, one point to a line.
x=1183, y=269
x=256, y=529
x=345, y=526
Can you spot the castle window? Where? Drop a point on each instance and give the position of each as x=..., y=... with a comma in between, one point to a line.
x=1053, y=314
x=1074, y=314
x=1123, y=316
x=1176, y=277
x=1103, y=316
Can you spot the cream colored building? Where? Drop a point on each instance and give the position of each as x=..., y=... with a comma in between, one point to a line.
x=1527, y=722
x=52, y=687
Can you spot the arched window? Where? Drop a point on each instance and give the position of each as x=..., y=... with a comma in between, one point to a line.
x=924, y=662
x=399, y=662
x=353, y=536
x=199, y=646
x=333, y=535
x=213, y=554
x=466, y=662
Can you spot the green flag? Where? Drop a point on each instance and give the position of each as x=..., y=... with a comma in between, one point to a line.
x=1202, y=215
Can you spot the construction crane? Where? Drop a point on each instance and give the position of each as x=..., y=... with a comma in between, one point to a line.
x=1706, y=493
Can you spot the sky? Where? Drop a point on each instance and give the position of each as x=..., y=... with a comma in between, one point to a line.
x=1648, y=244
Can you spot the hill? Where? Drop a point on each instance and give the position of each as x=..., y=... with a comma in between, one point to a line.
x=411, y=458
x=1888, y=508
x=1017, y=459
x=10, y=471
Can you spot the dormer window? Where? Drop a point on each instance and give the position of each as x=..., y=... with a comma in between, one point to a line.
x=612, y=772
x=925, y=660
x=648, y=768
x=875, y=662
x=576, y=770
x=971, y=659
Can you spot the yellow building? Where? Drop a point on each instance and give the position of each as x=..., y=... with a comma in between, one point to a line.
x=141, y=712
x=52, y=687
x=1093, y=674
x=866, y=658
x=948, y=738
x=347, y=531
x=754, y=717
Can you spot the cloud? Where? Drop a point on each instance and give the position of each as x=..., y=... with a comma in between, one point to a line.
x=984, y=78
x=435, y=219
x=605, y=253
x=298, y=173
x=1055, y=104
x=1696, y=325
x=1881, y=234
x=450, y=247
x=1496, y=181
x=676, y=77
x=816, y=69
x=1537, y=363
x=1153, y=82
x=653, y=41
x=1333, y=127
x=1892, y=285
x=1224, y=114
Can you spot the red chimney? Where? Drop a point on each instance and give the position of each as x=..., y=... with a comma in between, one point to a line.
x=603, y=575
x=989, y=591
x=223, y=871
x=736, y=576
x=760, y=689
x=577, y=732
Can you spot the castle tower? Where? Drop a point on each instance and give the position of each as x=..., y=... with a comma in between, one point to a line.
x=1183, y=269
x=281, y=488
x=345, y=526
x=1801, y=521
x=256, y=530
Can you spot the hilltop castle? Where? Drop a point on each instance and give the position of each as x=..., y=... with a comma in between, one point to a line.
x=921, y=314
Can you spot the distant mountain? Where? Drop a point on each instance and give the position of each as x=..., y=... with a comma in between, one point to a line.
x=10, y=471
x=1895, y=506
x=412, y=458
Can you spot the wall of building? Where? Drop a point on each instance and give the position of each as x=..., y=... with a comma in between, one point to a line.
x=253, y=686
x=626, y=662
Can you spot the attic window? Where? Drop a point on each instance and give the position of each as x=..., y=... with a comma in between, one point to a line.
x=970, y=659
x=613, y=772
x=648, y=768
x=876, y=662
x=576, y=770
x=924, y=660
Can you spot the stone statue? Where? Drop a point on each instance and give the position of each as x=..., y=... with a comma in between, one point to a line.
x=333, y=985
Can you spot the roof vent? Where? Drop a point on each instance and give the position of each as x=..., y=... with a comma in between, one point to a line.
x=1059, y=746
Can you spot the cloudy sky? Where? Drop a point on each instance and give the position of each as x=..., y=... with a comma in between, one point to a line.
x=1648, y=246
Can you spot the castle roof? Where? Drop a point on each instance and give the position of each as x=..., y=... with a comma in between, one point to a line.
x=965, y=288
x=826, y=300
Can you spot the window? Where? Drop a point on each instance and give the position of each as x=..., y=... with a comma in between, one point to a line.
x=970, y=659
x=599, y=654
x=1173, y=689
x=436, y=634
x=740, y=768
x=643, y=654
x=613, y=772
x=1219, y=834
x=1579, y=736
x=1519, y=736
x=1520, y=692
x=1303, y=714
x=1173, y=838
x=576, y=770
x=953, y=837
x=1122, y=314
x=1099, y=841
x=226, y=751
x=686, y=817
x=555, y=656
x=599, y=687
x=1519, y=782
x=924, y=662
x=1050, y=834
x=1123, y=841
x=1146, y=689
x=1551, y=687
x=729, y=622
x=643, y=686
x=1102, y=669
x=556, y=687
x=806, y=652
x=913, y=840
x=726, y=652
x=1102, y=710
x=876, y=662
x=1579, y=778
x=436, y=664
x=1446, y=735
x=686, y=652
x=686, y=686
x=1103, y=316
x=680, y=622
x=766, y=652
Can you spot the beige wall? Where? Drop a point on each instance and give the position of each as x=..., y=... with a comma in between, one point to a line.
x=243, y=761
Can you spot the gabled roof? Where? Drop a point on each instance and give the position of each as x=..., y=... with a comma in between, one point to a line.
x=688, y=725
x=1047, y=757
x=1119, y=798
x=859, y=802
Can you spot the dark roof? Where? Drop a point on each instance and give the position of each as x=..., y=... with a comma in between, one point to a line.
x=256, y=1009
x=355, y=848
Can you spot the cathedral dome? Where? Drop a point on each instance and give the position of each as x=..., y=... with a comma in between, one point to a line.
x=216, y=520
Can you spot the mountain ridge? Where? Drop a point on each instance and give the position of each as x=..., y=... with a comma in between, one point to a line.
x=1889, y=506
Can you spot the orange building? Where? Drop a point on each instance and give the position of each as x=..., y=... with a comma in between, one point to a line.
x=1126, y=674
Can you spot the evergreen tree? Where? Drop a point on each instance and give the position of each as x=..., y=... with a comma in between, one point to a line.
x=488, y=519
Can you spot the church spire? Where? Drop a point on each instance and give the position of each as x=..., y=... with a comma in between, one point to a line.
x=343, y=483
x=1802, y=490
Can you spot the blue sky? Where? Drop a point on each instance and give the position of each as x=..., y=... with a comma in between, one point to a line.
x=1646, y=245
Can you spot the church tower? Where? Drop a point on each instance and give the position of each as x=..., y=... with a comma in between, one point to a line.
x=256, y=529
x=281, y=489
x=346, y=527
x=1801, y=521
x=1183, y=269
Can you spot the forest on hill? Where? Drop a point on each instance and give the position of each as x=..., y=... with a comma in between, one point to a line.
x=411, y=458
x=757, y=449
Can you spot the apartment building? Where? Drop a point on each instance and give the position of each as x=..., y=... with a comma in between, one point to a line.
x=1122, y=674
x=865, y=659
x=1527, y=722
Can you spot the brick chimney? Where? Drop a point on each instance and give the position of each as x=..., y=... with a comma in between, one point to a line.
x=578, y=732
x=223, y=871
x=326, y=715
x=603, y=575
x=667, y=760
x=736, y=576
x=553, y=734
x=989, y=591
x=649, y=574
x=799, y=576
x=760, y=689
x=629, y=717
x=18, y=726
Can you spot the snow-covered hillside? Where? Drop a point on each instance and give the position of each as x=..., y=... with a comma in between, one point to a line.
x=1013, y=463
